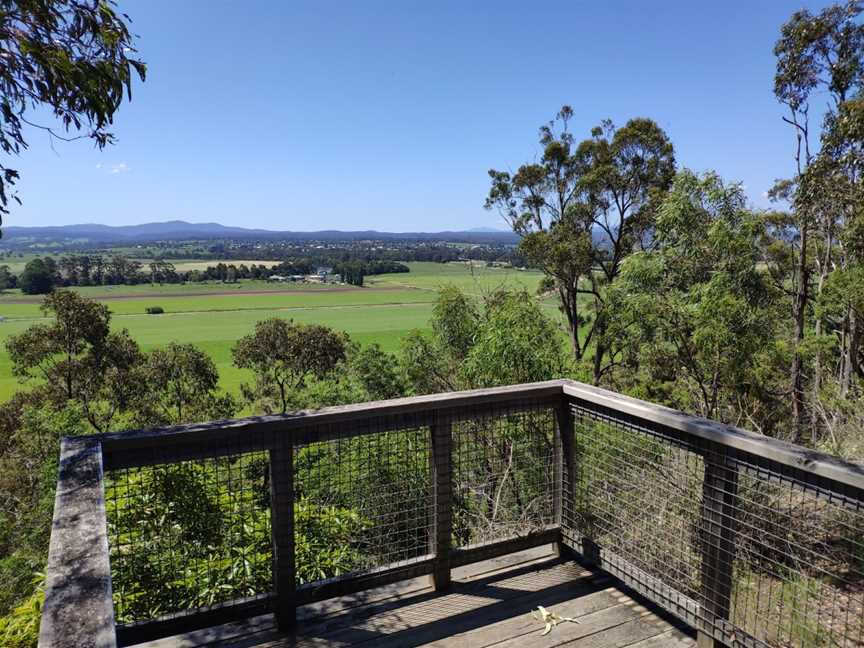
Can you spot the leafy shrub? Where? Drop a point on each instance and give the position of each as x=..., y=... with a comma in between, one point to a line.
x=154, y=310
x=326, y=540
x=185, y=537
x=20, y=629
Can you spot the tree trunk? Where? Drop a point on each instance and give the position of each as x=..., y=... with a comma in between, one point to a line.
x=799, y=308
x=599, y=352
x=569, y=301
x=823, y=275
x=855, y=335
x=849, y=364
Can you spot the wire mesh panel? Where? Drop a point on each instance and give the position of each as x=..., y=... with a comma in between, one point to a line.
x=188, y=535
x=503, y=473
x=744, y=549
x=637, y=496
x=799, y=560
x=361, y=502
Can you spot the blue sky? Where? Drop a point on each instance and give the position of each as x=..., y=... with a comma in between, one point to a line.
x=378, y=115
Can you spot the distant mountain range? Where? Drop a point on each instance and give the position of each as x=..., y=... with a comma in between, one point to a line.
x=183, y=231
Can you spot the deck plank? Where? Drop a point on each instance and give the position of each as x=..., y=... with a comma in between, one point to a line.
x=490, y=603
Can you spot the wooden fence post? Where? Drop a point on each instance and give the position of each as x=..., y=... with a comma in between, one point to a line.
x=564, y=469
x=79, y=610
x=282, y=525
x=719, y=510
x=442, y=501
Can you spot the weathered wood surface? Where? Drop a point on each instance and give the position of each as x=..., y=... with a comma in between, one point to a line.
x=487, y=604
x=123, y=449
x=441, y=464
x=78, y=612
x=810, y=462
x=282, y=524
x=255, y=433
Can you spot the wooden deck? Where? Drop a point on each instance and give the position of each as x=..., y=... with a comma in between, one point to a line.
x=490, y=603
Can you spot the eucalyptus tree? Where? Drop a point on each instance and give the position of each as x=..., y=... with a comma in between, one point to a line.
x=695, y=310
x=581, y=209
x=71, y=59
x=58, y=352
x=283, y=355
x=183, y=385
x=628, y=172
x=76, y=357
x=835, y=178
x=817, y=55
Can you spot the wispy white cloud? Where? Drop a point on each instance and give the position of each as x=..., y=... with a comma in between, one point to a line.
x=122, y=167
x=98, y=165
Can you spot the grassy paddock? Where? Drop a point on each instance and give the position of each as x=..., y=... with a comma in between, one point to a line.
x=383, y=312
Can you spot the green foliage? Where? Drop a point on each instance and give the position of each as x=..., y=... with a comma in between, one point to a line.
x=7, y=279
x=506, y=339
x=37, y=278
x=182, y=539
x=325, y=540
x=515, y=343
x=581, y=210
x=31, y=426
x=65, y=57
x=20, y=629
x=454, y=321
x=352, y=273
x=183, y=387
x=58, y=352
x=283, y=356
x=696, y=311
x=378, y=372
x=819, y=50
x=78, y=357
x=185, y=537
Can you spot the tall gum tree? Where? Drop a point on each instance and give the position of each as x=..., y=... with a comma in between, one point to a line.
x=817, y=55
x=581, y=209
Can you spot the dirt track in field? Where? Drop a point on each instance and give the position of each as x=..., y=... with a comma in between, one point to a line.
x=214, y=293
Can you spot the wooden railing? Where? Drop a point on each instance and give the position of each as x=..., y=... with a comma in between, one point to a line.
x=686, y=511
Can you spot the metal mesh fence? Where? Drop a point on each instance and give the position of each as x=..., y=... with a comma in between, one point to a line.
x=637, y=496
x=361, y=502
x=188, y=535
x=733, y=544
x=503, y=474
x=798, y=575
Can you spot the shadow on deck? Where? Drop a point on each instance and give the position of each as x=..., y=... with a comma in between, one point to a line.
x=490, y=603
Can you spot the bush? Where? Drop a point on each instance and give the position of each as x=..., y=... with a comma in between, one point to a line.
x=20, y=629
x=37, y=278
x=154, y=310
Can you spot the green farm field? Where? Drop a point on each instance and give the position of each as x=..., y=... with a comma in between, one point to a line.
x=214, y=316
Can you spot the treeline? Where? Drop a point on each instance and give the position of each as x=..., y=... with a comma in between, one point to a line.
x=353, y=272
x=41, y=275
x=331, y=253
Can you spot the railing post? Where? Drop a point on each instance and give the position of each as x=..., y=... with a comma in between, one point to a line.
x=282, y=525
x=563, y=468
x=78, y=610
x=442, y=501
x=719, y=509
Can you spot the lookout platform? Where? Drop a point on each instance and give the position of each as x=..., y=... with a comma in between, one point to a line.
x=493, y=603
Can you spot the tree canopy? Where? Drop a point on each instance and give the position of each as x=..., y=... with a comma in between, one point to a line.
x=73, y=59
